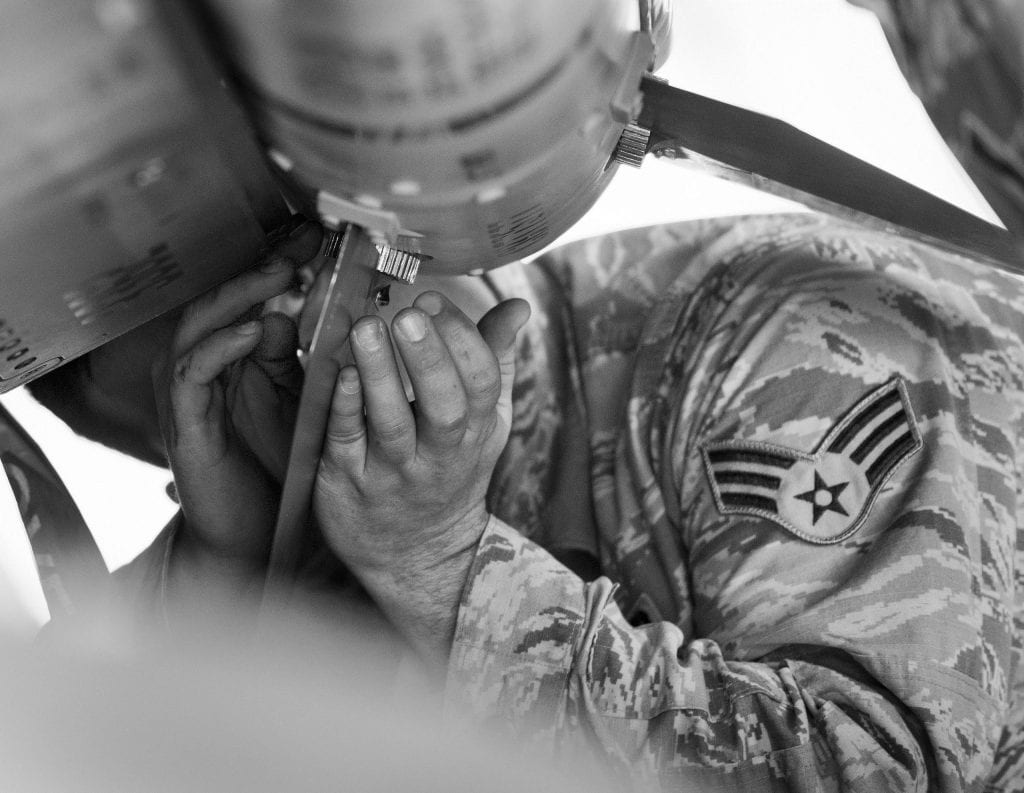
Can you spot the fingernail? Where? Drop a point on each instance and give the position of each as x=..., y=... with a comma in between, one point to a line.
x=369, y=336
x=412, y=326
x=431, y=302
x=247, y=328
x=349, y=381
x=274, y=264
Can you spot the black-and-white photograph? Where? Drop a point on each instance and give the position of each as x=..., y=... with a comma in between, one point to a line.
x=511, y=395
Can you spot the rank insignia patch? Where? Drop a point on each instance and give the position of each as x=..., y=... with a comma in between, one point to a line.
x=822, y=497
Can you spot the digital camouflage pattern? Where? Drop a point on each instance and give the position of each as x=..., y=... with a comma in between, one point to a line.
x=824, y=496
x=965, y=60
x=730, y=653
x=720, y=650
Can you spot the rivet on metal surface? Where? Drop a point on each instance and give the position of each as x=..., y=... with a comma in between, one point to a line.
x=669, y=152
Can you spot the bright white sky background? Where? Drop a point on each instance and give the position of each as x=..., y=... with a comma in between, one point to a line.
x=819, y=64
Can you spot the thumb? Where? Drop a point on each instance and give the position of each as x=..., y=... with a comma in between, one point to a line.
x=499, y=328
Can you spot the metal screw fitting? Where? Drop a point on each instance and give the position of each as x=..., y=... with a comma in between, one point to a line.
x=400, y=265
x=632, y=145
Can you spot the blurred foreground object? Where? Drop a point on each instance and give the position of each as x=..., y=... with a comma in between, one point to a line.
x=129, y=181
x=94, y=712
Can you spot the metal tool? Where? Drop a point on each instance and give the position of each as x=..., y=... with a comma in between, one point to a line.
x=351, y=286
x=776, y=157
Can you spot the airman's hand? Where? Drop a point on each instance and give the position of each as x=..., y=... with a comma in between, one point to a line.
x=227, y=393
x=401, y=486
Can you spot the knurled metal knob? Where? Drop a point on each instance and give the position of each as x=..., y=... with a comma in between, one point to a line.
x=632, y=145
x=400, y=265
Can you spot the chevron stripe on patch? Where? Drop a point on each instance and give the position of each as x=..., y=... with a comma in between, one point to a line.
x=826, y=496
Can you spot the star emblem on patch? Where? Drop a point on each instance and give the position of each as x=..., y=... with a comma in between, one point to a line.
x=826, y=496
x=823, y=498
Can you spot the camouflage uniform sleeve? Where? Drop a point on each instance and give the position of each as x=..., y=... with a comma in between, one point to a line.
x=549, y=656
x=856, y=633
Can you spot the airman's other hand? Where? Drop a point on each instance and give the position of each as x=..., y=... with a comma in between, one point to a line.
x=401, y=486
x=227, y=392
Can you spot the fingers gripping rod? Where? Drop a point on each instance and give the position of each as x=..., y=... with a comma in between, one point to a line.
x=351, y=286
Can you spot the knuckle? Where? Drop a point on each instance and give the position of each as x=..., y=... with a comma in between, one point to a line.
x=344, y=435
x=427, y=359
x=338, y=464
x=375, y=375
x=327, y=473
x=393, y=432
x=347, y=411
x=183, y=368
x=451, y=426
x=347, y=416
x=190, y=316
x=484, y=385
x=458, y=338
x=198, y=307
